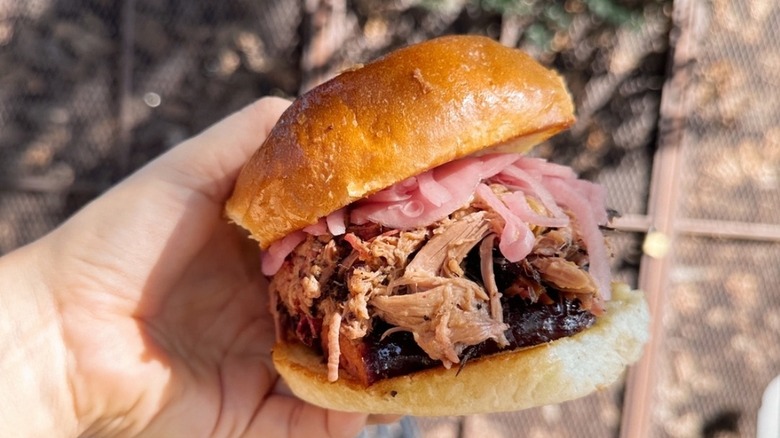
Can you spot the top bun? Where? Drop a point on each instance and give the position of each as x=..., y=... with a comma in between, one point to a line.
x=398, y=116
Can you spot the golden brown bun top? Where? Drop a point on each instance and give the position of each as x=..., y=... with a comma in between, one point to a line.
x=396, y=117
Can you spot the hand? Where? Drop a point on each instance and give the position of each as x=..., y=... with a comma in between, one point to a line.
x=161, y=306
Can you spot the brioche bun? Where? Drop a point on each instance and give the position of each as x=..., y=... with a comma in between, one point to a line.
x=555, y=372
x=396, y=117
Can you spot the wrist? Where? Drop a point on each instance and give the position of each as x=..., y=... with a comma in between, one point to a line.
x=35, y=397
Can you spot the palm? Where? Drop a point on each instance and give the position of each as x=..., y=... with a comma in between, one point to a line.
x=213, y=327
x=163, y=307
x=187, y=330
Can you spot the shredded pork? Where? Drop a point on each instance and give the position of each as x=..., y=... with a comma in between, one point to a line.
x=414, y=280
x=489, y=280
x=334, y=350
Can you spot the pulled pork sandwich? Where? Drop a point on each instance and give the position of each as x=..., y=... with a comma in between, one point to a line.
x=419, y=262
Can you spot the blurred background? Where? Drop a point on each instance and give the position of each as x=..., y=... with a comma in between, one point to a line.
x=678, y=109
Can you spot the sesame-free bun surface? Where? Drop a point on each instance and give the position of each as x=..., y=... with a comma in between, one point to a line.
x=561, y=370
x=375, y=125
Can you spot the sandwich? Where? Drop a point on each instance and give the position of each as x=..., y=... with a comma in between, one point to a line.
x=420, y=261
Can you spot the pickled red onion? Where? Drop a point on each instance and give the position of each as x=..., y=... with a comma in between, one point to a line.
x=588, y=228
x=516, y=240
x=273, y=258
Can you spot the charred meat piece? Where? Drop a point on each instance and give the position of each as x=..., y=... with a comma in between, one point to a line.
x=379, y=356
x=375, y=357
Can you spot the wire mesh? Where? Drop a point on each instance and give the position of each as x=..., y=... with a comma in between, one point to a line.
x=59, y=107
x=192, y=63
x=27, y=216
x=721, y=349
x=733, y=153
x=721, y=325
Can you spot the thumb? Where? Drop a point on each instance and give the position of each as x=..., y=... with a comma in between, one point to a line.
x=289, y=417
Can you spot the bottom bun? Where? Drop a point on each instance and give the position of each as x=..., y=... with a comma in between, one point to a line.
x=561, y=370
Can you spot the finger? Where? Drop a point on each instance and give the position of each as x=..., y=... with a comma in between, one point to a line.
x=289, y=417
x=210, y=162
x=281, y=388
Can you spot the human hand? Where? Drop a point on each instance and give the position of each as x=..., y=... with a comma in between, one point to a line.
x=161, y=306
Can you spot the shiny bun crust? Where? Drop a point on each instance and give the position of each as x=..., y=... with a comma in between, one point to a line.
x=375, y=125
x=552, y=373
